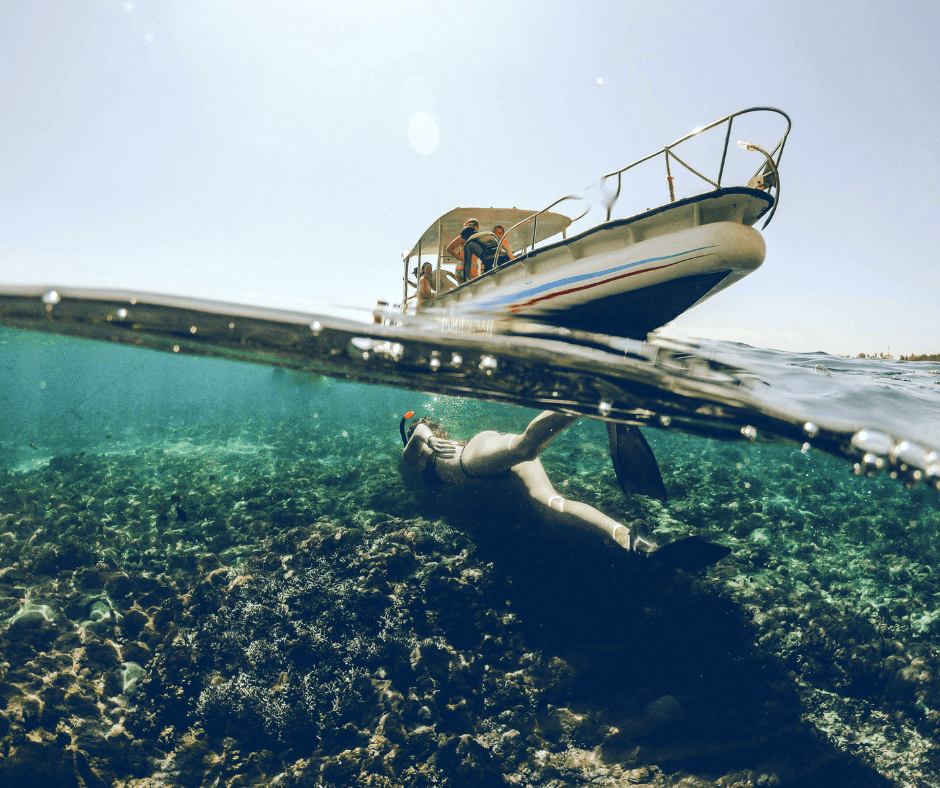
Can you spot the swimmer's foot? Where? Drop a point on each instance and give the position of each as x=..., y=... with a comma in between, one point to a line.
x=691, y=553
x=636, y=537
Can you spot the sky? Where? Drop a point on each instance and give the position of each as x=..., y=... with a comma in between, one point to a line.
x=285, y=153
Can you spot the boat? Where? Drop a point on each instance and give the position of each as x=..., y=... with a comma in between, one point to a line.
x=622, y=276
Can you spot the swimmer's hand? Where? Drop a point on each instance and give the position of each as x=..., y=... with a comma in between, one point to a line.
x=442, y=448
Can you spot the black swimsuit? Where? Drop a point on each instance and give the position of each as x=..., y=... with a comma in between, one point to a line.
x=429, y=472
x=433, y=478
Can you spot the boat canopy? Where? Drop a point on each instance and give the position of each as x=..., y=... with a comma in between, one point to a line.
x=448, y=227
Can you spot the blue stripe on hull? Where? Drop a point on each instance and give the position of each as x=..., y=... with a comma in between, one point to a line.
x=534, y=291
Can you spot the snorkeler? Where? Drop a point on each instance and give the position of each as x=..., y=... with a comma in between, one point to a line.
x=491, y=455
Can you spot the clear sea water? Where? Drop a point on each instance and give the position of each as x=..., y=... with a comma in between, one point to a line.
x=817, y=471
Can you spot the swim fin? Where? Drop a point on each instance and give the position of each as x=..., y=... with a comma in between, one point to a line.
x=690, y=553
x=634, y=462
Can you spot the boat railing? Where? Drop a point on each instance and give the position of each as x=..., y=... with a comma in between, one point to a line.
x=766, y=176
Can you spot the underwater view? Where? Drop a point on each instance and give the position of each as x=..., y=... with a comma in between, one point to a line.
x=222, y=573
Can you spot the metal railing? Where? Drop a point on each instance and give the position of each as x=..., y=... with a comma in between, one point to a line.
x=768, y=166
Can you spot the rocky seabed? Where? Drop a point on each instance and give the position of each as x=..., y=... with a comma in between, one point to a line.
x=216, y=618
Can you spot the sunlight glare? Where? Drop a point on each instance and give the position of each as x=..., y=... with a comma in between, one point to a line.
x=423, y=133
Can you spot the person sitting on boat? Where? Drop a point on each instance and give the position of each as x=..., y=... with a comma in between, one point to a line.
x=490, y=456
x=426, y=289
x=499, y=231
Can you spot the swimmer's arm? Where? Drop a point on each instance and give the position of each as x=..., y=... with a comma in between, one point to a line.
x=443, y=448
x=412, y=452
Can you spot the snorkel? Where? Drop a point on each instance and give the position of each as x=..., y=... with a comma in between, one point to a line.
x=401, y=427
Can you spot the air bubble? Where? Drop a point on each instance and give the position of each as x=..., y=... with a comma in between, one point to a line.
x=665, y=420
x=176, y=348
x=749, y=432
x=316, y=327
x=392, y=350
x=488, y=364
x=811, y=429
x=604, y=408
x=435, y=364
x=122, y=314
x=456, y=359
x=901, y=447
x=192, y=329
x=51, y=297
x=872, y=441
x=231, y=325
x=908, y=453
x=804, y=448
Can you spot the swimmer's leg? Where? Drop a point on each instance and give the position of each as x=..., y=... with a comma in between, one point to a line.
x=542, y=430
x=490, y=453
x=531, y=475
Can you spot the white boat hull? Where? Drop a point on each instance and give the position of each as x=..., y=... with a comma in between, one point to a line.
x=631, y=276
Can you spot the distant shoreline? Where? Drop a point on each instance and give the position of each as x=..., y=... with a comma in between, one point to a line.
x=912, y=357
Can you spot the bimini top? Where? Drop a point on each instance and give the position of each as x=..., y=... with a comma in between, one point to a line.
x=448, y=227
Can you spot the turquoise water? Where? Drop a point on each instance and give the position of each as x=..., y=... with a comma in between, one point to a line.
x=129, y=479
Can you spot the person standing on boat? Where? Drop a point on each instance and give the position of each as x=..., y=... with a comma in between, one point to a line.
x=465, y=271
x=474, y=270
x=490, y=456
x=484, y=245
x=456, y=249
